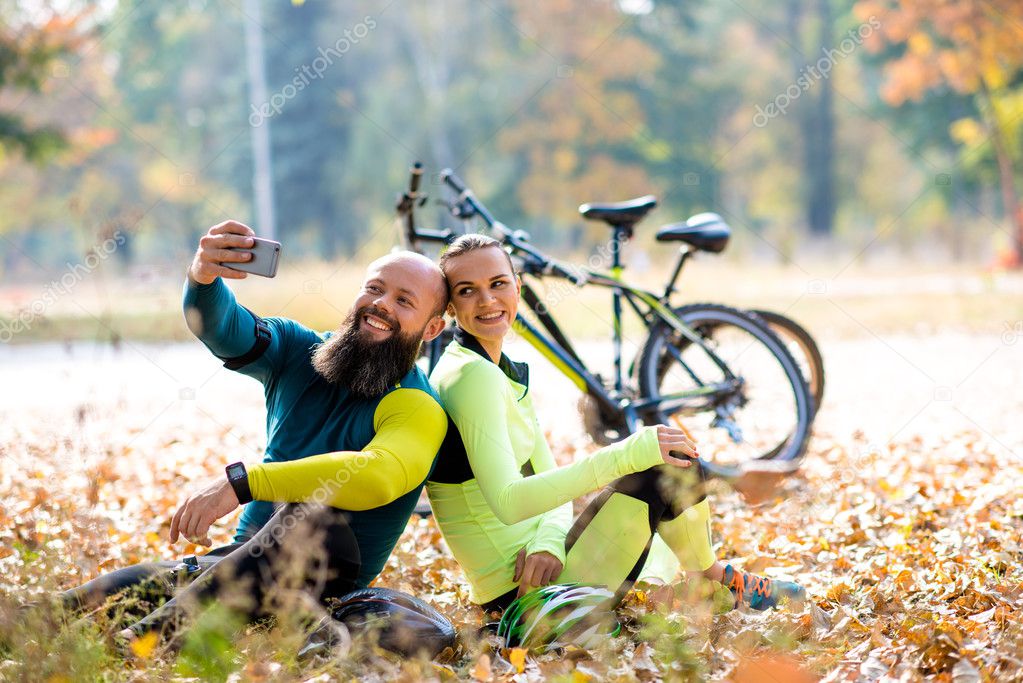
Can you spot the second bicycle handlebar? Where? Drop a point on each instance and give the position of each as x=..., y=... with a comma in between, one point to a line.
x=406, y=207
x=466, y=196
x=501, y=231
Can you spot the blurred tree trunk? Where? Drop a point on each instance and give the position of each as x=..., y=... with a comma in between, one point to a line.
x=1006, y=174
x=820, y=149
x=433, y=76
x=815, y=114
x=262, y=168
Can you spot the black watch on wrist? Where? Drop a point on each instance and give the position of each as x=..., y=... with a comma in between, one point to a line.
x=239, y=480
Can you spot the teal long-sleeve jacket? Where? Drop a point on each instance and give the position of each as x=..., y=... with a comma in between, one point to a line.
x=368, y=456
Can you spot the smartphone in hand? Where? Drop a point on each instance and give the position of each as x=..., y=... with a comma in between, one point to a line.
x=265, y=254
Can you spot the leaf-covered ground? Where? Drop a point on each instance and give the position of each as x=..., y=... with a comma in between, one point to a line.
x=904, y=524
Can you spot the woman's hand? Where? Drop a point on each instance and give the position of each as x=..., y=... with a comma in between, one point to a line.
x=535, y=570
x=674, y=439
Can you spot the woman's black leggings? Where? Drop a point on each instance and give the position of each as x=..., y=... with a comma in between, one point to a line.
x=609, y=541
x=303, y=546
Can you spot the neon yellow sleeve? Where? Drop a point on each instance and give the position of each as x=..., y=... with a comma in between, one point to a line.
x=550, y=536
x=410, y=426
x=487, y=413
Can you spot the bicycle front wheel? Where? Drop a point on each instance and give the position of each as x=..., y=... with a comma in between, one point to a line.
x=739, y=391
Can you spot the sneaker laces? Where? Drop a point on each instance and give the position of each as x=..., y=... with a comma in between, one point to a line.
x=741, y=581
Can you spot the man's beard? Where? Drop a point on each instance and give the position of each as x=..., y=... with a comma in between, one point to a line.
x=368, y=368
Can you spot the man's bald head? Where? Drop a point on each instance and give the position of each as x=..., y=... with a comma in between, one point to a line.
x=401, y=305
x=423, y=275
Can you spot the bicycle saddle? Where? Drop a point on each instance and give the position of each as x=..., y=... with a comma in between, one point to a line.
x=625, y=214
x=704, y=232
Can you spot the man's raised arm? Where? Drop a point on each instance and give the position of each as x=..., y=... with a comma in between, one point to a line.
x=211, y=312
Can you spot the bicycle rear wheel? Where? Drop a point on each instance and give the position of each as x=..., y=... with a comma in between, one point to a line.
x=802, y=347
x=768, y=412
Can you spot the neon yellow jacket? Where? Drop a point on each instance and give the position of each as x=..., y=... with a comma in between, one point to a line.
x=487, y=503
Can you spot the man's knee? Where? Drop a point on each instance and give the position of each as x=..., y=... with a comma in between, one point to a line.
x=319, y=532
x=155, y=578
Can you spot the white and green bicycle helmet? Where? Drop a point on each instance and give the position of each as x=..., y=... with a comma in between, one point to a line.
x=559, y=615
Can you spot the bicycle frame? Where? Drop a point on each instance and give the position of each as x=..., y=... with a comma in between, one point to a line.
x=683, y=255
x=558, y=350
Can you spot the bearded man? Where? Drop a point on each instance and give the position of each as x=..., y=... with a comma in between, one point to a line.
x=353, y=428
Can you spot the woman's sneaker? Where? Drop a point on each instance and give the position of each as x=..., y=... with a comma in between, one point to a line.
x=759, y=592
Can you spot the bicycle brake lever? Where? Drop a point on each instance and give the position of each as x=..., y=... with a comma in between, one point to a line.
x=457, y=209
x=463, y=210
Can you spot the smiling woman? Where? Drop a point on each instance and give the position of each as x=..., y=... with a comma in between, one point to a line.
x=502, y=504
x=485, y=298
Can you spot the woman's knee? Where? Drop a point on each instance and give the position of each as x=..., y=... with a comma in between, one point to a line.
x=667, y=490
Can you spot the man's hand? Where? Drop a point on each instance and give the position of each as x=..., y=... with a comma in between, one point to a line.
x=201, y=509
x=215, y=249
x=535, y=570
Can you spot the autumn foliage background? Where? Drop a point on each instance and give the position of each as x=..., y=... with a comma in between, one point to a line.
x=880, y=209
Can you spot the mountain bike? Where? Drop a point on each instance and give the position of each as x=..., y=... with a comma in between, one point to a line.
x=799, y=341
x=736, y=384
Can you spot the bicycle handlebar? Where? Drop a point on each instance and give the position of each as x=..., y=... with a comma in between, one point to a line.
x=503, y=233
x=415, y=175
x=407, y=202
x=454, y=182
x=465, y=196
x=407, y=199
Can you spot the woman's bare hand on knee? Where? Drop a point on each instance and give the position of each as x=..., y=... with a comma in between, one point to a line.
x=673, y=443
